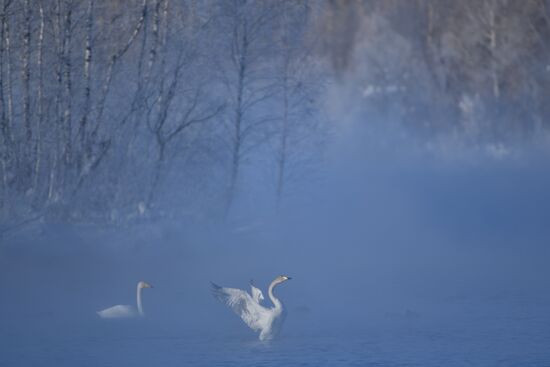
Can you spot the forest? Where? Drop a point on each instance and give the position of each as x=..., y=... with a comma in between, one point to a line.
x=113, y=111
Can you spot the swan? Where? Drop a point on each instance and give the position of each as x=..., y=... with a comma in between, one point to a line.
x=266, y=320
x=126, y=311
x=257, y=294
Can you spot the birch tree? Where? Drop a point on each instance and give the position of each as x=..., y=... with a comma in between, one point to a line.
x=244, y=77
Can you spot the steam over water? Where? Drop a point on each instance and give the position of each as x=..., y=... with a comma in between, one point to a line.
x=422, y=265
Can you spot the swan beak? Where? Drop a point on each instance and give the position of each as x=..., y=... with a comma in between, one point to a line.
x=288, y=278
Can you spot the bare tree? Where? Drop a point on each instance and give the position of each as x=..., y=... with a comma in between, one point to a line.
x=165, y=121
x=65, y=52
x=40, y=99
x=114, y=59
x=26, y=70
x=8, y=81
x=7, y=139
x=247, y=86
x=88, y=52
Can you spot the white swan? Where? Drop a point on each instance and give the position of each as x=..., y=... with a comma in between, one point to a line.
x=267, y=321
x=125, y=311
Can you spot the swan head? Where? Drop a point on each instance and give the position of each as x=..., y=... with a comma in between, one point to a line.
x=143, y=284
x=282, y=279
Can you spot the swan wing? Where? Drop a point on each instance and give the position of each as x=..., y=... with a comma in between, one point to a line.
x=250, y=311
x=257, y=294
x=118, y=311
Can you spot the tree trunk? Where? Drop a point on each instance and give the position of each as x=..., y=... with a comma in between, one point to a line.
x=284, y=122
x=67, y=123
x=27, y=147
x=157, y=173
x=112, y=63
x=84, y=148
x=5, y=124
x=283, y=142
x=40, y=99
x=56, y=182
x=26, y=70
x=237, y=139
x=9, y=91
x=492, y=47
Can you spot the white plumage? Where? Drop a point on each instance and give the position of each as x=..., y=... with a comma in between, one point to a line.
x=257, y=294
x=126, y=311
x=266, y=321
x=118, y=311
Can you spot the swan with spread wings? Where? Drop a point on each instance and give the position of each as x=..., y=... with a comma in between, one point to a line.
x=265, y=320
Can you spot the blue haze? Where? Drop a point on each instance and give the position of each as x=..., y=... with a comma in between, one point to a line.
x=417, y=262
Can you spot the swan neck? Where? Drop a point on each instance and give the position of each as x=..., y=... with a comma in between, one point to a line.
x=139, y=306
x=272, y=297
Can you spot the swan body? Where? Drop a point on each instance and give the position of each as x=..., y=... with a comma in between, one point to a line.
x=265, y=320
x=126, y=311
x=118, y=312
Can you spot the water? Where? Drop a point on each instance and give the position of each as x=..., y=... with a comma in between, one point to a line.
x=471, y=318
x=447, y=274
x=518, y=336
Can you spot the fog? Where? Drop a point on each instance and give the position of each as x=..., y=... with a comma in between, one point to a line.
x=407, y=247
x=390, y=157
x=407, y=241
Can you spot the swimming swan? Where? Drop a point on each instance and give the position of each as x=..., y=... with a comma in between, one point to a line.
x=125, y=311
x=267, y=321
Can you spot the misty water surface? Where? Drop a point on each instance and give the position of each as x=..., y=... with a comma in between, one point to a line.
x=408, y=264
